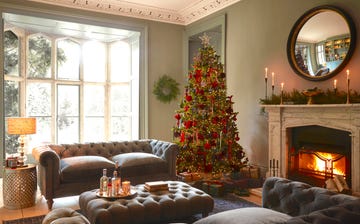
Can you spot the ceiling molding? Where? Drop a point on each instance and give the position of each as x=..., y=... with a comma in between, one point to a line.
x=185, y=16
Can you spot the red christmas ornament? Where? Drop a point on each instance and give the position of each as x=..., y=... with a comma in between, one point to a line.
x=215, y=135
x=207, y=145
x=188, y=124
x=188, y=98
x=186, y=108
x=182, y=137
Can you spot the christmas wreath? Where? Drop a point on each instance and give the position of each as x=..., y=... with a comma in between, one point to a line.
x=166, y=89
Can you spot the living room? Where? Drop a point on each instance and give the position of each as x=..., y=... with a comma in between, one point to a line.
x=257, y=32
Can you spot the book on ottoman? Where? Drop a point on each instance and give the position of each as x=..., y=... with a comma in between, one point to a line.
x=156, y=186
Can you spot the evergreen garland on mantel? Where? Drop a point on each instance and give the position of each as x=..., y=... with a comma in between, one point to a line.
x=326, y=97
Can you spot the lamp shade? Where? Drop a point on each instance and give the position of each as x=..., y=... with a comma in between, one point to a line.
x=21, y=126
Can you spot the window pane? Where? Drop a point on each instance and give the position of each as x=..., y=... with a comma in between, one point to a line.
x=43, y=131
x=120, y=61
x=94, y=58
x=120, y=100
x=68, y=59
x=120, y=128
x=39, y=57
x=68, y=131
x=11, y=53
x=94, y=129
x=68, y=100
x=68, y=113
x=38, y=99
x=11, y=100
x=94, y=98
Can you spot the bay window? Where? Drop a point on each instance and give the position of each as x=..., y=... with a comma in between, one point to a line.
x=79, y=89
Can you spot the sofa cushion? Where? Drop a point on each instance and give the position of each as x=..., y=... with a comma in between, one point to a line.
x=80, y=168
x=246, y=216
x=138, y=163
x=345, y=213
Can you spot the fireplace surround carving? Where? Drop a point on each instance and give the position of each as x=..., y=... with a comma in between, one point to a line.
x=282, y=119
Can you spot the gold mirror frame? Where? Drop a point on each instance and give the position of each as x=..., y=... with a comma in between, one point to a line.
x=291, y=44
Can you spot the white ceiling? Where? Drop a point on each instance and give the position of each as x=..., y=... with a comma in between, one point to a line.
x=181, y=12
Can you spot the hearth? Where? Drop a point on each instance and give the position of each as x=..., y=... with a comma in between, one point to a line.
x=315, y=142
x=318, y=153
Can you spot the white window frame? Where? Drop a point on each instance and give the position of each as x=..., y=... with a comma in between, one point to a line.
x=93, y=20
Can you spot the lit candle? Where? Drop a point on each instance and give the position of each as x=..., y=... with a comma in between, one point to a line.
x=273, y=79
x=266, y=70
x=335, y=82
x=282, y=86
x=126, y=187
x=347, y=74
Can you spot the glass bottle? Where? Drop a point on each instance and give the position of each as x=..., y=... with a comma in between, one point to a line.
x=109, y=188
x=115, y=184
x=103, y=183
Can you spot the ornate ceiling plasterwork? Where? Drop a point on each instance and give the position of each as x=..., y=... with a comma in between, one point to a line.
x=185, y=16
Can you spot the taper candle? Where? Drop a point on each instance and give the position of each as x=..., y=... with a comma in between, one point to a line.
x=335, y=82
x=273, y=79
x=282, y=86
x=347, y=74
x=266, y=73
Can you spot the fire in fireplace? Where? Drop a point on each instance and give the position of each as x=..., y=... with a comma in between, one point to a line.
x=319, y=153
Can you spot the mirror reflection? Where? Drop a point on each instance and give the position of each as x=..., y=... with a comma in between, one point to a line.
x=321, y=43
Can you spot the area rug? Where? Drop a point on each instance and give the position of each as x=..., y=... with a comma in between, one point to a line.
x=227, y=202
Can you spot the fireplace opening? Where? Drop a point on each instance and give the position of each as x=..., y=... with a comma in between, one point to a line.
x=318, y=153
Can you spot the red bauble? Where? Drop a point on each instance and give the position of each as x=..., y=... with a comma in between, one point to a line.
x=177, y=116
x=207, y=145
x=215, y=135
x=188, y=98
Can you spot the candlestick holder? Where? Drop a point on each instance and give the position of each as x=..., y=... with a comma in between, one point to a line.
x=272, y=90
x=266, y=88
x=348, y=92
x=281, y=97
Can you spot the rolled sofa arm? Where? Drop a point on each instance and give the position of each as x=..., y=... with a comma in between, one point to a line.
x=48, y=169
x=167, y=151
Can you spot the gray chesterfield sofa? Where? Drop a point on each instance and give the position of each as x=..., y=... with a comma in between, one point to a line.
x=291, y=202
x=70, y=169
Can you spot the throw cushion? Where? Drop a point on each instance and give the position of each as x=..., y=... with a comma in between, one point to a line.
x=80, y=168
x=246, y=216
x=135, y=163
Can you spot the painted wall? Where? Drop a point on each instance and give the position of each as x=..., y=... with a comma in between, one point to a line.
x=257, y=33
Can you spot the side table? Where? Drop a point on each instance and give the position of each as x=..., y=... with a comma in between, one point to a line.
x=19, y=187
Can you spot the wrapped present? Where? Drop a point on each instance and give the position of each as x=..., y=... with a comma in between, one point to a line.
x=254, y=172
x=214, y=188
x=187, y=176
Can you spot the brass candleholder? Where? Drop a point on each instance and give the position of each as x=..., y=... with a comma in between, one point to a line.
x=266, y=88
x=310, y=93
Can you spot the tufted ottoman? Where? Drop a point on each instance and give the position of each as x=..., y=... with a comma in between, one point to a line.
x=181, y=201
x=64, y=215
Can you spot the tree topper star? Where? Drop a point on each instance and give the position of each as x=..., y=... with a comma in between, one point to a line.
x=205, y=40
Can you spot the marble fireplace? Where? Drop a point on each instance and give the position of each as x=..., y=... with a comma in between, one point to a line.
x=314, y=132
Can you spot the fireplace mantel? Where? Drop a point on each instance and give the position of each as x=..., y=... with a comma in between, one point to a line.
x=281, y=118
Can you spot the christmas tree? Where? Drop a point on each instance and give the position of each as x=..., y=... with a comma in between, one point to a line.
x=205, y=123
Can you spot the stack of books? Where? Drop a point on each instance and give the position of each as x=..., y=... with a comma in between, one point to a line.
x=156, y=186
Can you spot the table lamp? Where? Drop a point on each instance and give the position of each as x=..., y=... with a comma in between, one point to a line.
x=21, y=126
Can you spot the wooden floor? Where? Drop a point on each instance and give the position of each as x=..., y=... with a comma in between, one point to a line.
x=40, y=207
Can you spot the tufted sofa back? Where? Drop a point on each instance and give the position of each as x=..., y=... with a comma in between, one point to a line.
x=298, y=198
x=104, y=149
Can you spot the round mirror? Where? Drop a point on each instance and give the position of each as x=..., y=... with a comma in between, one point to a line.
x=321, y=43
